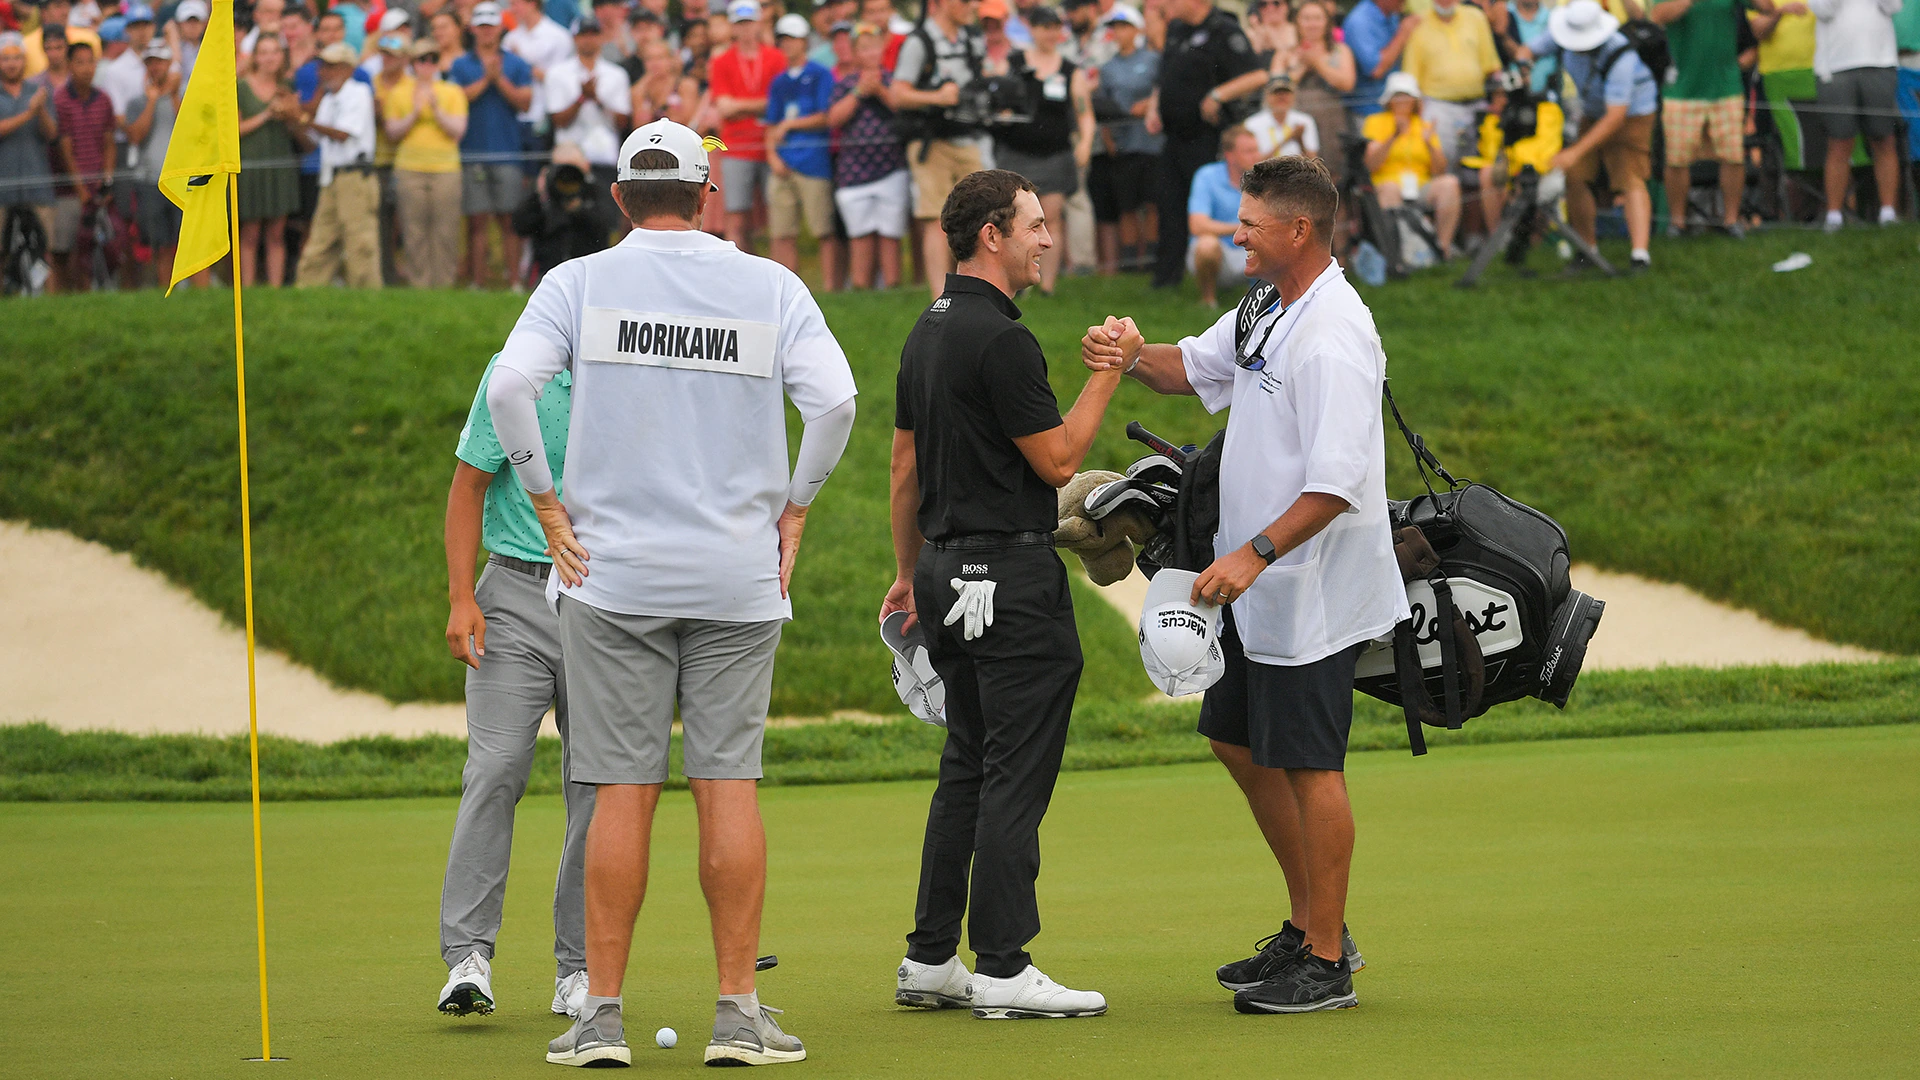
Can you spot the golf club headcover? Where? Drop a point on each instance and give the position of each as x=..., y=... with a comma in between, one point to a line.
x=1105, y=547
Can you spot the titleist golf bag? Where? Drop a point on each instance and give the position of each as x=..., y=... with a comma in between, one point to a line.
x=1495, y=617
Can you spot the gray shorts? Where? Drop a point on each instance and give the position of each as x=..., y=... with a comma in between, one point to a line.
x=622, y=671
x=491, y=188
x=1860, y=101
x=742, y=179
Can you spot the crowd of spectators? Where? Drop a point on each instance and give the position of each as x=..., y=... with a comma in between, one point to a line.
x=435, y=142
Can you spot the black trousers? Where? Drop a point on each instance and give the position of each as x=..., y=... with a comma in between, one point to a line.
x=1009, y=696
x=1182, y=158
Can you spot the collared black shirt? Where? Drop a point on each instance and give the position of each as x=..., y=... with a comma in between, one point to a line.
x=972, y=380
x=1197, y=59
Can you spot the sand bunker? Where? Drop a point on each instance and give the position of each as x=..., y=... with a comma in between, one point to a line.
x=89, y=640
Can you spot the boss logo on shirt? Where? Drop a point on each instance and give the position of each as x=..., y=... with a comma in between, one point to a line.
x=732, y=346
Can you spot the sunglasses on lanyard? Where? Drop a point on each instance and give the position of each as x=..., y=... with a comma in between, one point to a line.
x=1256, y=360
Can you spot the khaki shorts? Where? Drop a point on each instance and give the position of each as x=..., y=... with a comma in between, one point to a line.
x=1629, y=153
x=66, y=224
x=795, y=195
x=934, y=177
x=1704, y=131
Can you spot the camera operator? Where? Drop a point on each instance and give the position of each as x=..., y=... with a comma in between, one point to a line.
x=1518, y=132
x=944, y=53
x=560, y=217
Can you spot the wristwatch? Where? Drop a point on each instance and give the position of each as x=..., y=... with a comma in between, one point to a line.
x=1263, y=547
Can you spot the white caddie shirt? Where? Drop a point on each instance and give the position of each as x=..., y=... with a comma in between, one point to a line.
x=592, y=128
x=1308, y=421
x=350, y=110
x=683, y=349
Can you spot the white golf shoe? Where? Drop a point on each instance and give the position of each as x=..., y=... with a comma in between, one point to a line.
x=469, y=987
x=569, y=993
x=933, y=986
x=1030, y=995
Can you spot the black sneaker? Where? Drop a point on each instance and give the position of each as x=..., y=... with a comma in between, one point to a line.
x=1308, y=984
x=1275, y=951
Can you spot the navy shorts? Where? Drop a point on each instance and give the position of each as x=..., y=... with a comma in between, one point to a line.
x=1290, y=717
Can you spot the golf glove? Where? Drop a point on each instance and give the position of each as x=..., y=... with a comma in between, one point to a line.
x=975, y=606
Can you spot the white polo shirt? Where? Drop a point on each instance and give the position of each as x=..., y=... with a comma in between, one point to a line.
x=683, y=349
x=1308, y=421
x=592, y=128
x=544, y=45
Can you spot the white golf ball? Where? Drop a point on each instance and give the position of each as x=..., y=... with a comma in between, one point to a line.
x=665, y=1038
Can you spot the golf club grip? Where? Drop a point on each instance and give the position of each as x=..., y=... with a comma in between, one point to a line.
x=766, y=962
x=1138, y=433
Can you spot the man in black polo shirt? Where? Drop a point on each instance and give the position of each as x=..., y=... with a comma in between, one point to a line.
x=1207, y=63
x=979, y=448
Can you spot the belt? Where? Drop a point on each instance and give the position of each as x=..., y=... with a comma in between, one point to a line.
x=361, y=167
x=971, y=541
x=538, y=570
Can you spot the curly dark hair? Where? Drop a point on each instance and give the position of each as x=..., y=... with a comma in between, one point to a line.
x=981, y=198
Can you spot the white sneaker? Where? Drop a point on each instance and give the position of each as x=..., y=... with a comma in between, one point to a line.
x=469, y=987
x=570, y=993
x=933, y=986
x=1030, y=995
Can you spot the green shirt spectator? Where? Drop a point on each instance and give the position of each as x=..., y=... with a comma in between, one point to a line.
x=1706, y=59
x=508, y=526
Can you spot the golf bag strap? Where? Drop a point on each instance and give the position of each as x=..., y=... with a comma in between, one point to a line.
x=1422, y=456
x=1413, y=687
x=1449, y=648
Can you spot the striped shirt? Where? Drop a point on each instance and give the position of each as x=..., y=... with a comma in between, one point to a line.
x=88, y=122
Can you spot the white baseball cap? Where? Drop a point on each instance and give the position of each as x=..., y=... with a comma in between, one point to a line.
x=914, y=679
x=743, y=11
x=1400, y=82
x=684, y=143
x=190, y=9
x=793, y=26
x=394, y=19
x=485, y=14
x=1581, y=26
x=1122, y=13
x=1179, y=642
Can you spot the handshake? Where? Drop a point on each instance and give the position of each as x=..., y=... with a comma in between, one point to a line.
x=1113, y=346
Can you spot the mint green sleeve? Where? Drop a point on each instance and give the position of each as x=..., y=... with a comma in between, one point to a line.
x=479, y=446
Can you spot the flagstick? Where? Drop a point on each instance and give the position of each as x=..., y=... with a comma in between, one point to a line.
x=246, y=564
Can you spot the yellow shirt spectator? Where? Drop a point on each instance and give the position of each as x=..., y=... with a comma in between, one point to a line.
x=1406, y=154
x=1790, y=46
x=1452, y=57
x=426, y=148
x=37, y=54
x=1537, y=150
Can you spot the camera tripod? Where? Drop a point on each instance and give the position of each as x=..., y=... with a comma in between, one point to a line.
x=1514, y=232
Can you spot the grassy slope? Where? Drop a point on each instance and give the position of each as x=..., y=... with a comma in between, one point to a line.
x=1748, y=434
x=1628, y=907
x=40, y=764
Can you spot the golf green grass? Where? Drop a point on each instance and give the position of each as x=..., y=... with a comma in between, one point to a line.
x=1746, y=433
x=1736, y=904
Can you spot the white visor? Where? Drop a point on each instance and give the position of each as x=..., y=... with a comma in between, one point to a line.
x=1179, y=643
x=684, y=143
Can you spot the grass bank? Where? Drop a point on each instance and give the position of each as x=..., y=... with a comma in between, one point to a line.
x=1748, y=434
x=40, y=764
x=1504, y=897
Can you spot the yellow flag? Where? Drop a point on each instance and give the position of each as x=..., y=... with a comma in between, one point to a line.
x=204, y=150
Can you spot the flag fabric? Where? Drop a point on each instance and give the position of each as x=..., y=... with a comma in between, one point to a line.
x=205, y=150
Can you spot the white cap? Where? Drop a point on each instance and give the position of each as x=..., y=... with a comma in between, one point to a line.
x=191, y=9
x=1179, y=643
x=914, y=679
x=743, y=11
x=394, y=19
x=485, y=13
x=1581, y=26
x=1400, y=82
x=793, y=26
x=681, y=141
x=1123, y=13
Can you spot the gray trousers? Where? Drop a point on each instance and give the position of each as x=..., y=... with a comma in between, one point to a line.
x=507, y=696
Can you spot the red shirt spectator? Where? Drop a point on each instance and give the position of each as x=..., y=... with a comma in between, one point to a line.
x=85, y=115
x=734, y=75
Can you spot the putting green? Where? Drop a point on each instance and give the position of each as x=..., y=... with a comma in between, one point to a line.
x=1727, y=904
